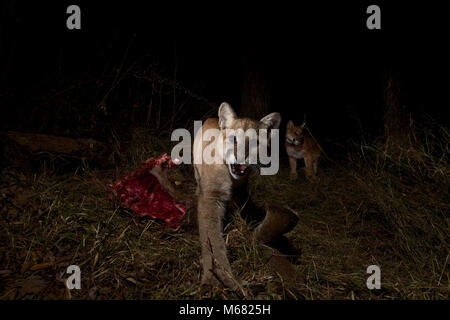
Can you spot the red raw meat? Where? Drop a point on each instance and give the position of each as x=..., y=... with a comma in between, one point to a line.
x=142, y=192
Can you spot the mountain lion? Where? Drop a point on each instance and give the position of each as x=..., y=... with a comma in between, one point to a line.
x=220, y=183
x=301, y=145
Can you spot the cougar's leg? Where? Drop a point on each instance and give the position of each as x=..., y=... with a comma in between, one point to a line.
x=315, y=165
x=211, y=210
x=278, y=221
x=293, y=166
x=308, y=167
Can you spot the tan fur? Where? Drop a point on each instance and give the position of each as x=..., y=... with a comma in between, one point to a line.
x=215, y=188
x=299, y=144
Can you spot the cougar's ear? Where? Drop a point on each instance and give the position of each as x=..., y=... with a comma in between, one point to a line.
x=272, y=121
x=290, y=124
x=226, y=116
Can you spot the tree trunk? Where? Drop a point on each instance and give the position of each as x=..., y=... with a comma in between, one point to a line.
x=397, y=119
x=255, y=98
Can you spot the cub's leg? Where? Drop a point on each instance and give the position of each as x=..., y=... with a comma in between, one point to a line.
x=309, y=167
x=315, y=165
x=293, y=165
x=211, y=210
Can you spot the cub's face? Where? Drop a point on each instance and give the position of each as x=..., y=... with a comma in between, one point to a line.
x=294, y=134
x=243, y=139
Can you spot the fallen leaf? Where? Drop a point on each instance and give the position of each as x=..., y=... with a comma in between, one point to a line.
x=40, y=266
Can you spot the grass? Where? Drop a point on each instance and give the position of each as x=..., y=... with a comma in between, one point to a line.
x=376, y=207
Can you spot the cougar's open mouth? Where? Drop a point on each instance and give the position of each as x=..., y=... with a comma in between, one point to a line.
x=238, y=169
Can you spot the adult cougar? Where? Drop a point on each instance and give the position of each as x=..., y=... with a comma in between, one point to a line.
x=223, y=182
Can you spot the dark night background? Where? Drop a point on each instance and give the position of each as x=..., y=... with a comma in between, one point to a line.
x=81, y=109
x=318, y=60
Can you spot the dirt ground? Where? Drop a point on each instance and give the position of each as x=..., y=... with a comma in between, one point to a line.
x=367, y=209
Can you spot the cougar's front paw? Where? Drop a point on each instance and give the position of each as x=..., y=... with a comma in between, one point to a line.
x=225, y=279
x=209, y=280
